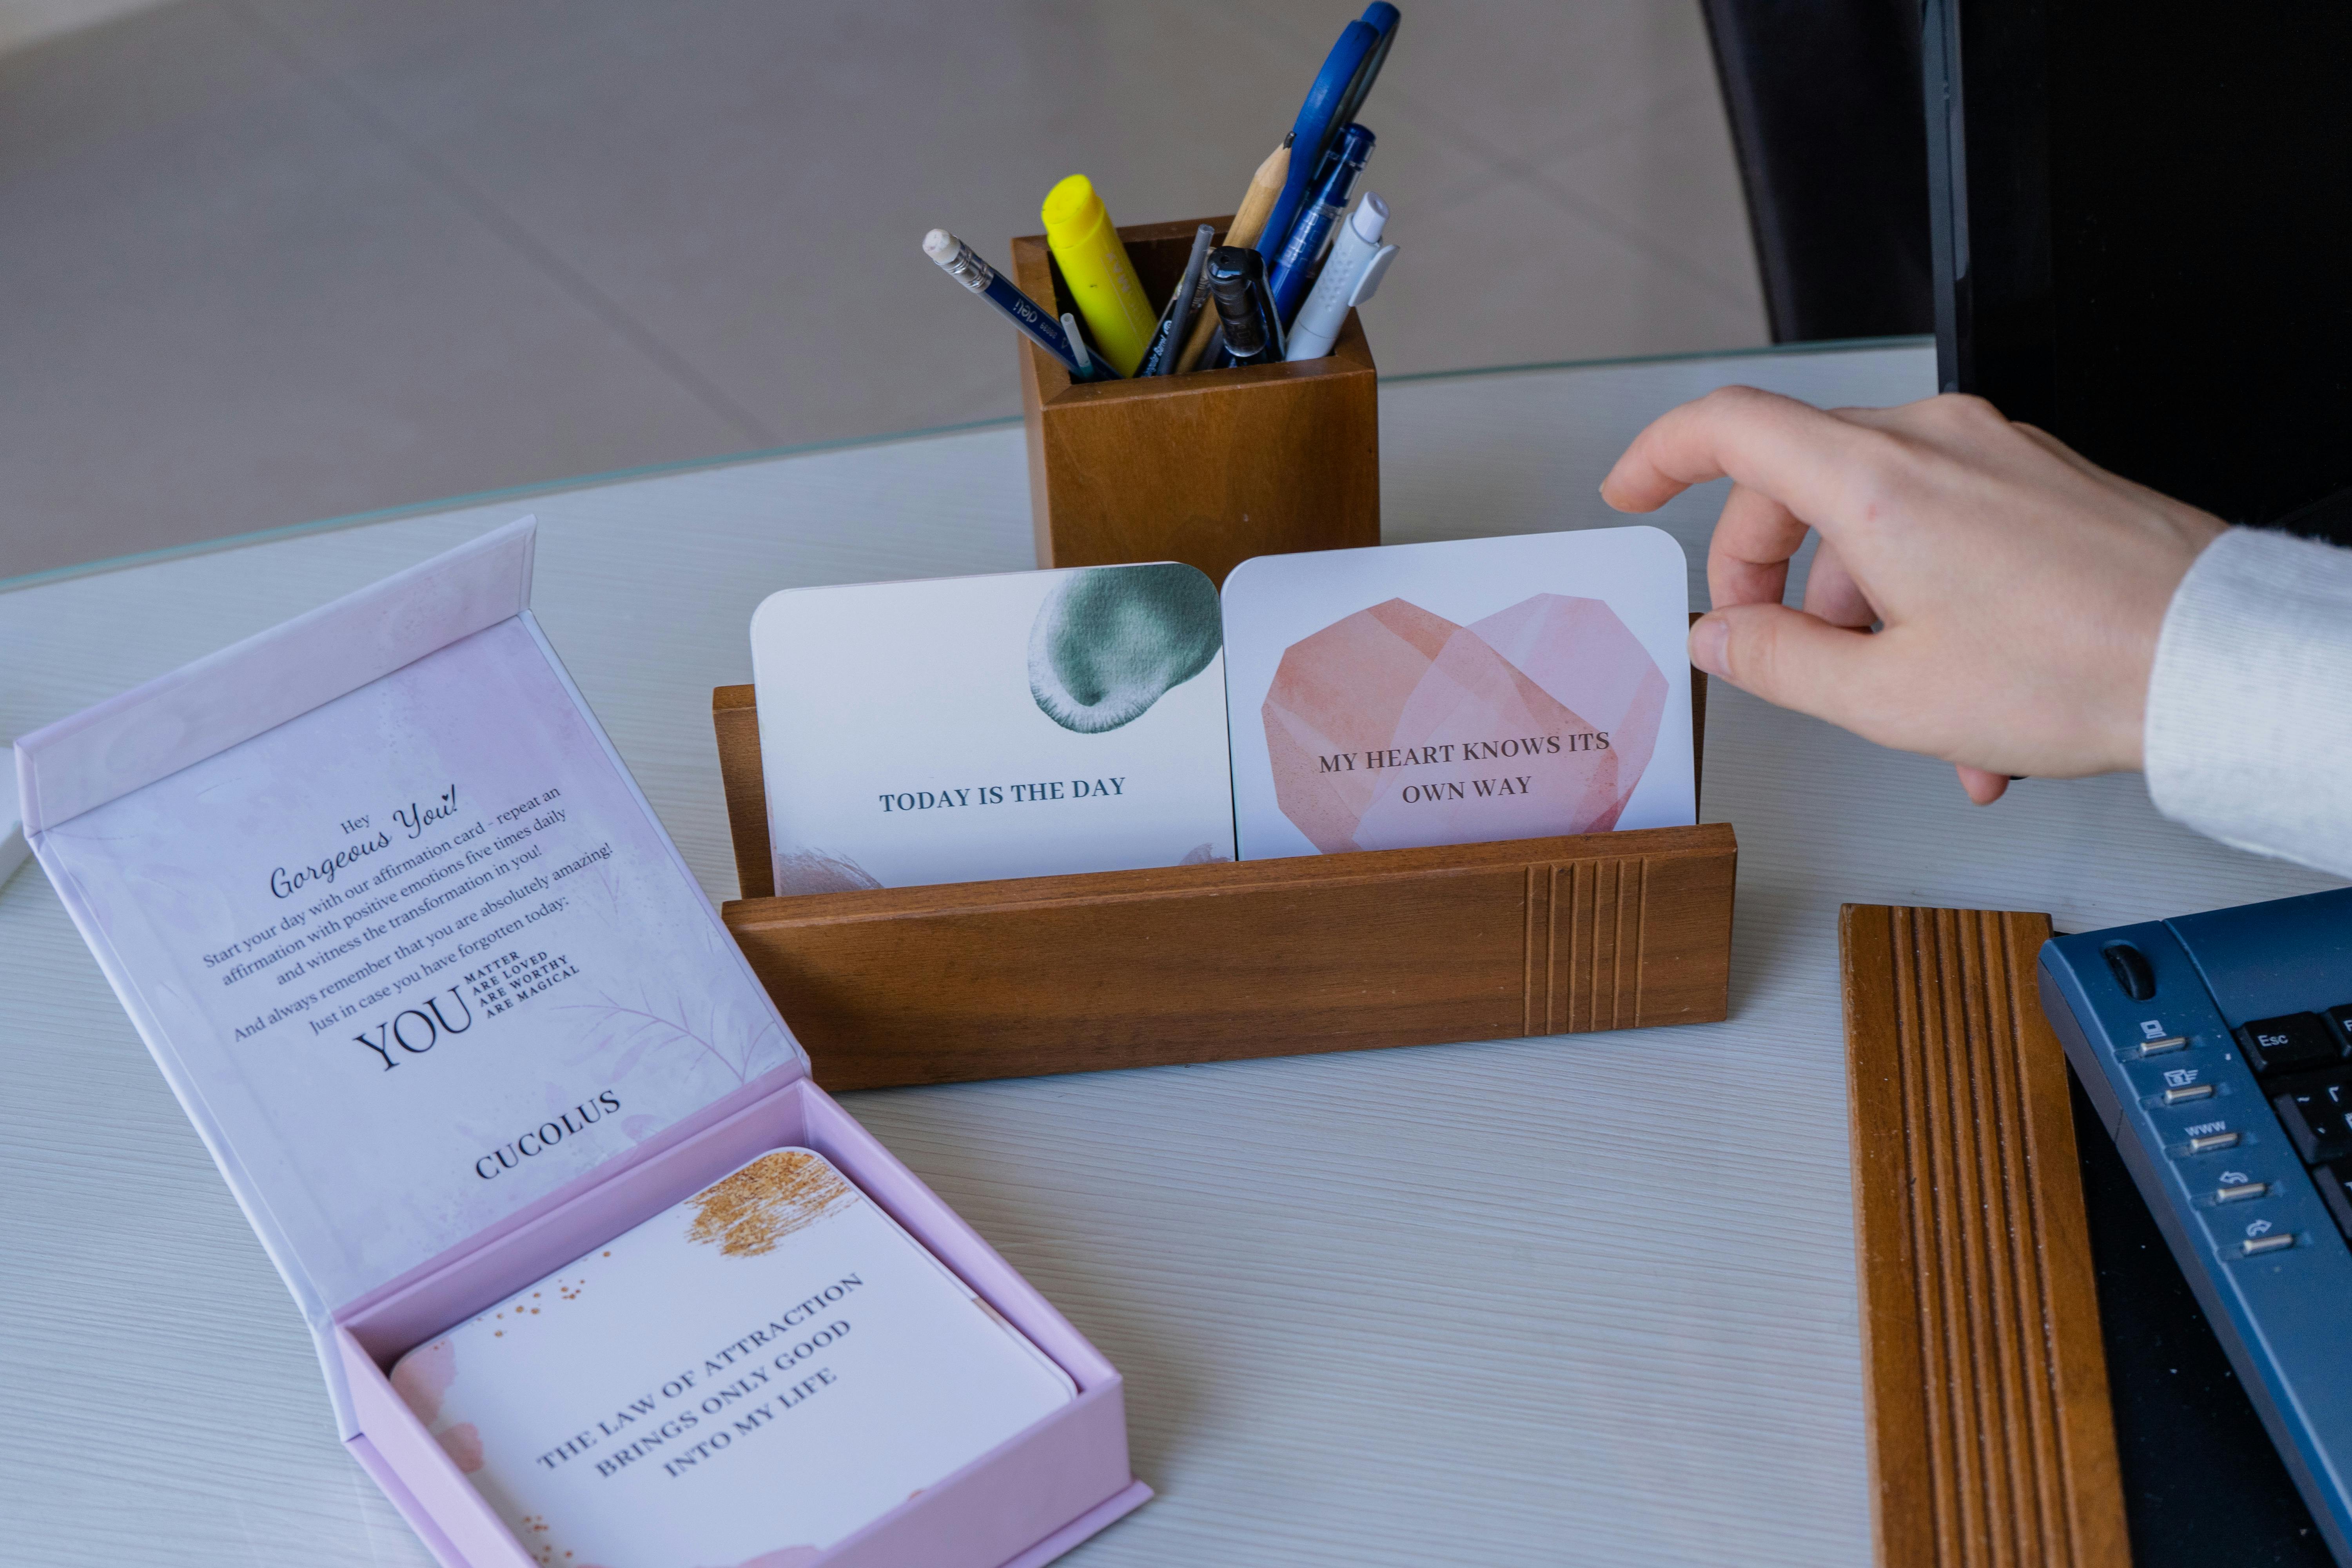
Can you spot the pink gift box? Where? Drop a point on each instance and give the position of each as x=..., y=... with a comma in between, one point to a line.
x=1025, y=1503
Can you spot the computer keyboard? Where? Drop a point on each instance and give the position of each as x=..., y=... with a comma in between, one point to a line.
x=2217, y=1050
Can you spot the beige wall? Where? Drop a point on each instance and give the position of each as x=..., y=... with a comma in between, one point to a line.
x=25, y=22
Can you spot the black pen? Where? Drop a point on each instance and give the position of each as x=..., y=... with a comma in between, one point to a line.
x=1237, y=282
x=1161, y=358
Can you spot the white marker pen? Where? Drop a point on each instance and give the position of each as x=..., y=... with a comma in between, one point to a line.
x=1358, y=263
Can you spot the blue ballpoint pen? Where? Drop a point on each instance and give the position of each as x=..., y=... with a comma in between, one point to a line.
x=1286, y=279
x=957, y=260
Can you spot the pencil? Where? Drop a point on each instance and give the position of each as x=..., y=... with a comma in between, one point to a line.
x=1249, y=223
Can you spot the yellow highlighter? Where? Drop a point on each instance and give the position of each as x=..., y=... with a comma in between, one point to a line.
x=1101, y=279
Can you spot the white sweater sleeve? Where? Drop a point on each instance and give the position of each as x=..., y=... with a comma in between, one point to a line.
x=2249, y=736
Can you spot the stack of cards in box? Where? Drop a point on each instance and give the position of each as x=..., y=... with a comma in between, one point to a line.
x=1109, y=718
x=745, y=1378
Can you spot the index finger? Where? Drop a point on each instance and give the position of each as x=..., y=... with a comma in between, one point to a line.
x=1789, y=451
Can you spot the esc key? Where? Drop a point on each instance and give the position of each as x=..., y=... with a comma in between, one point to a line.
x=2293, y=1042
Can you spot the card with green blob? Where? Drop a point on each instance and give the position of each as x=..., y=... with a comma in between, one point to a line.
x=963, y=729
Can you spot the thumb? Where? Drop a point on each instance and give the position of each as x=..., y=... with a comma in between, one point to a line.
x=1784, y=656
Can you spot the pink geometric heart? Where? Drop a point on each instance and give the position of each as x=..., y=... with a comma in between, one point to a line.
x=1395, y=727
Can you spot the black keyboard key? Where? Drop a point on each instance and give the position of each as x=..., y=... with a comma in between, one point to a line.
x=2294, y=1042
x=2318, y=1117
x=2332, y=1191
x=2342, y=1018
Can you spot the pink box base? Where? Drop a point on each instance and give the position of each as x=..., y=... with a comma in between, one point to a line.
x=1021, y=1505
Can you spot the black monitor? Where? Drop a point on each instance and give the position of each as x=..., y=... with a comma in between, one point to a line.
x=2142, y=217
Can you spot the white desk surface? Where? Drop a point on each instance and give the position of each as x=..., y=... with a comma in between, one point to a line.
x=1577, y=1300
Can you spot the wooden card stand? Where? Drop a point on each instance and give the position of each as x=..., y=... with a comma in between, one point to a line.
x=1209, y=468
x=1195, y=963
x=1991, y=1439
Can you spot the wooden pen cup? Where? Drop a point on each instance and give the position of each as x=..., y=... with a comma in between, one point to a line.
x=1209, y=468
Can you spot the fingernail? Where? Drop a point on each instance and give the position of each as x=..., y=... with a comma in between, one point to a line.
x=1708, y=641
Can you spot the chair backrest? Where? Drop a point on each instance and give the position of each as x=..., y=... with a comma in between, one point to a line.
x=1828, y=119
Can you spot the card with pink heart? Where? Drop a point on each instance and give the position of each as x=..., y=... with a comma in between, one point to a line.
x=1459, y=693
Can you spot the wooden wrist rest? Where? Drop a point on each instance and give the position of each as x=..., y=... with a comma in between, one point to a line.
x=1259, y=958
x=1991, y=1439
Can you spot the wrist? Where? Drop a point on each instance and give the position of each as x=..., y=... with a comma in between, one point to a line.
x=2128, y=743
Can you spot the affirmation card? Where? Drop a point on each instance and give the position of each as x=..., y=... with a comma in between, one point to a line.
x=747, y=1377
x=1460, y=692
x=968, y=728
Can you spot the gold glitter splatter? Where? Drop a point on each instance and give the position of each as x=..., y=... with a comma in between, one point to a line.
x=752, y=1210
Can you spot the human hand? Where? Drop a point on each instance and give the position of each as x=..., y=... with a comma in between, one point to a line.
x=2018, y=589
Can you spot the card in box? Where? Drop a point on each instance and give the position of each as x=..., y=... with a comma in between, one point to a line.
x=449, y=1011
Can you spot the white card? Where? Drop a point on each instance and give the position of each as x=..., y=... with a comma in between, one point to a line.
x=1459, y=693
x=437, y=956
x=969, y=728
x=747, y=1377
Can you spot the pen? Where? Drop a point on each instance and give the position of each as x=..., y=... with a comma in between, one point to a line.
x=1249, y=221
x=1177, y=319
x=1287, y=279
x=1078, y=342
x=1102, y=279
x=1359, y=261
x=957, y=260
x=1237, y=282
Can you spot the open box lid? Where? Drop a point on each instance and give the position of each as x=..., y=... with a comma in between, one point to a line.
x=399, y=928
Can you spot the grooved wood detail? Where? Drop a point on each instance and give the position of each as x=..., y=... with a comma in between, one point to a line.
x=1590, y=914
x=1992, y=1443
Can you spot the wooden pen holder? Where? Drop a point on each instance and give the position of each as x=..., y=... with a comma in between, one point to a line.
x=1209, y=468
x=1257, y=958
